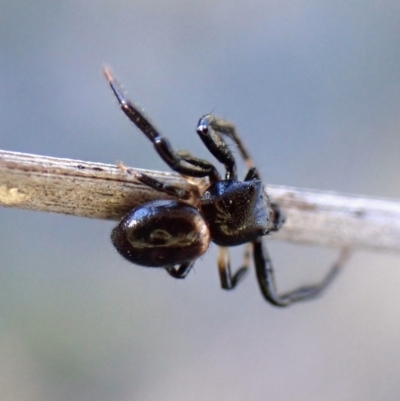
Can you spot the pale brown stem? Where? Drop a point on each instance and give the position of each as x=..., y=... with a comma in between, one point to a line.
x=104, y=191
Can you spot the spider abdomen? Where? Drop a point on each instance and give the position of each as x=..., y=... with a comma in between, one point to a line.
x=161, y=233
x=236, y=211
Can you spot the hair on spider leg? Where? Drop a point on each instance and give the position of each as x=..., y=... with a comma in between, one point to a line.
x=173, y=234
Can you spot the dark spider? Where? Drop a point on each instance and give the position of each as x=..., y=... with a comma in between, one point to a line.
x=172, y=234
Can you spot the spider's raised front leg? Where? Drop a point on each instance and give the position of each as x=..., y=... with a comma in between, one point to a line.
x=189, y=166
x=266, y=278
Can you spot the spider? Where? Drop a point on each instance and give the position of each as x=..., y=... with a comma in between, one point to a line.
x=172, y=234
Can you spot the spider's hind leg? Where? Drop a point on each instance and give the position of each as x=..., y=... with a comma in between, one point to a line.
x=266, y=278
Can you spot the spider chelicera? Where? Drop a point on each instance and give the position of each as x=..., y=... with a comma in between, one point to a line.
x=172, y=234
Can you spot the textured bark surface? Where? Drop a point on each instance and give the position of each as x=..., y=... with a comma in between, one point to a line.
x=106, y=192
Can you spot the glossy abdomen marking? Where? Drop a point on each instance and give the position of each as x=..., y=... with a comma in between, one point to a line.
x=161, y=233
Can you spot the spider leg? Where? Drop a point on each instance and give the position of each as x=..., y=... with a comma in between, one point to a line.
x=179, y=164
x=266, y=278
x=217, y=145
x=209, y=129
x=252, y=174
x=180, y=271
x=172, y=190
x=229, y=280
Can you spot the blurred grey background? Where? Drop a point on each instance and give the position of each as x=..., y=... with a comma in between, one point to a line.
x=313, y=86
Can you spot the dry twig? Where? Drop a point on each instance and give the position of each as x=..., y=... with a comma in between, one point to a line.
x=103, y=191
